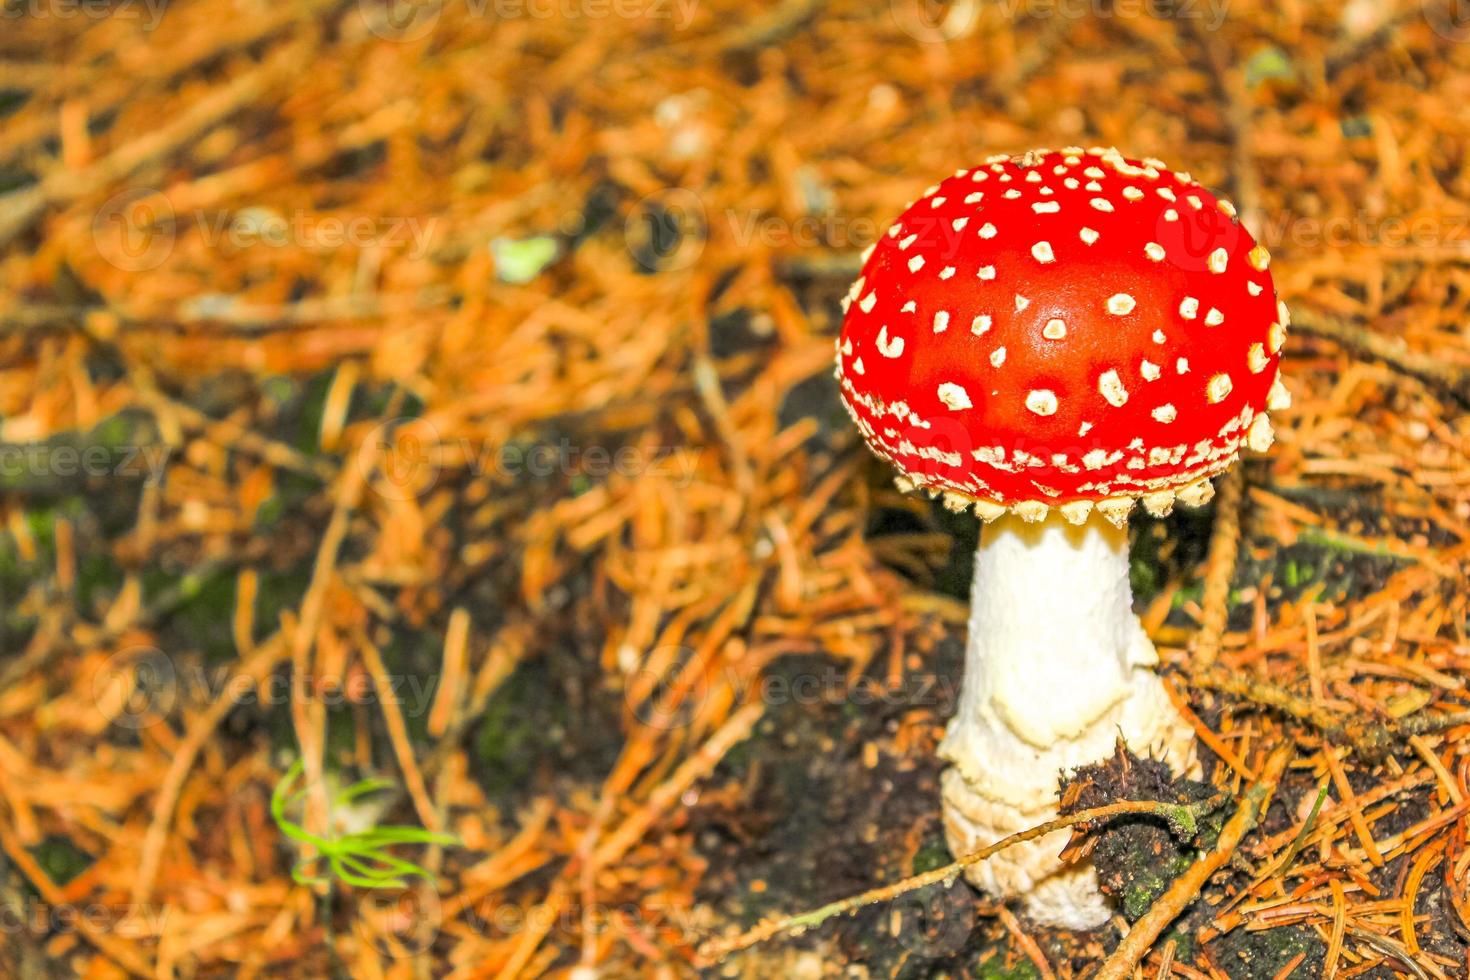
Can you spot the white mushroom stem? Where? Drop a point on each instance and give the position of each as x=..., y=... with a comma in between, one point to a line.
x=1057, y=665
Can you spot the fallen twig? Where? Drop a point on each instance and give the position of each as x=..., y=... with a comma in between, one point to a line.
x=1183, y=815
x=99, y=936
x=1435, y=372
x=1369, y=738
x=771, y=28
x=19, y=208
x=1220, y=567
x=1236, y=112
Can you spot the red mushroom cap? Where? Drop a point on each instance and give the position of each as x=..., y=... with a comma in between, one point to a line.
x=1070, y=329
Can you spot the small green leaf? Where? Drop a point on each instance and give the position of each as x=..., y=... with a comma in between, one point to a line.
x=356, y=859
x=519, y=260
x=1268, y=63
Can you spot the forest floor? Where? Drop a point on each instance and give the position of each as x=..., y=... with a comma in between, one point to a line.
x=442, y=394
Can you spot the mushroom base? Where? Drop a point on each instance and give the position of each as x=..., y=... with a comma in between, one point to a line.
x=1057, y=666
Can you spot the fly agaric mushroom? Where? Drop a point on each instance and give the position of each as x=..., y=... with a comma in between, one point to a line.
x=1047, y=339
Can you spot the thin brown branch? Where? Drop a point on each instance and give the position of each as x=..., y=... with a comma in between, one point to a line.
x=1220, y=567
x=20, y=208
x=717, y=949
x=1235, y=110
x=1370, y=739
x=1438, y=374
x=99, y=936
